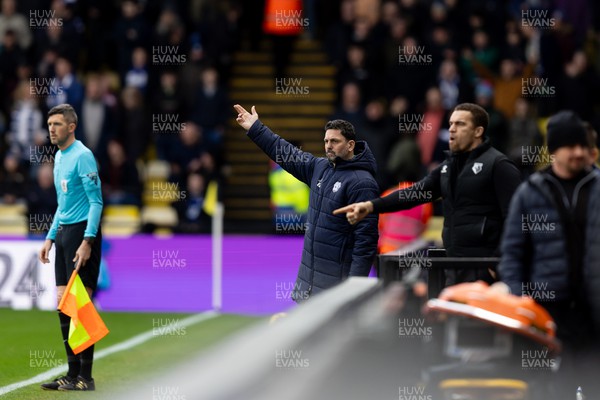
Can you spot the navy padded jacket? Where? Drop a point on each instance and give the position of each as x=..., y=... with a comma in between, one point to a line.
x=333, y=249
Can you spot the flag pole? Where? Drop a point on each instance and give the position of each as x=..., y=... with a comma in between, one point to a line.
x=217, y=257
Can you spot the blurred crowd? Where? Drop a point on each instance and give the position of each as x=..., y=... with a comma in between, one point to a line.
x=404, y=64
x=149, y=79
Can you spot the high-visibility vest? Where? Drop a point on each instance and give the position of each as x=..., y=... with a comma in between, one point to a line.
x=284, y=17
x=287, y=191
x=401, y=227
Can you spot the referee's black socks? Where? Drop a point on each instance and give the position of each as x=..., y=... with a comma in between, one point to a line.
x=72, y=359
x=87, y=359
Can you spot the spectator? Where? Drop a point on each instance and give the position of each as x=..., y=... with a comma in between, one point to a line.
x=119, y=177
x=579, y=86
x=421, y=74
x=41, y=197
x=53, y=39
x=192, y=217
x=523, y=134
x=133, y=129
x=431, y=125
x=66, y=88
x=508, y=86
x=484, y=95
x=186, y=153
x=12, y=181
x=398, y=29
x=18, y=23
x=11, y=56
x=454, y=89
x=71, y=30
x=379, y=134
x=26, y=124
x=130, y=31
x=97, y=122
x=137, y=76
x=351, y=108
x=355, y=70
x=339, y=33
x=210, y=109
x=481, y=52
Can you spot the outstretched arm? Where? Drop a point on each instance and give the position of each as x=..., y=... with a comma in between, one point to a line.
x=295, y=161
x=424, y=191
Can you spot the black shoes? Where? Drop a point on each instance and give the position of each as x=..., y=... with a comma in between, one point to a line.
x=79, y=384
x=60, y=381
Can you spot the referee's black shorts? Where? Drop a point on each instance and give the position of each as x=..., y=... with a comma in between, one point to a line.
x=68, y=239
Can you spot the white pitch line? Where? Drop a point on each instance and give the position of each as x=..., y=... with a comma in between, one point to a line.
x=126, y=345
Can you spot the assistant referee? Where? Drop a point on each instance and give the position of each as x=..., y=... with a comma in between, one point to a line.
x=76, y=232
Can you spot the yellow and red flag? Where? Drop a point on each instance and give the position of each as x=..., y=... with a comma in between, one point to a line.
x=86, y=325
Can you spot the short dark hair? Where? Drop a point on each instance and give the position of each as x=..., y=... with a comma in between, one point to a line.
x=480, y=116
x=66, y=110
x=345, y=128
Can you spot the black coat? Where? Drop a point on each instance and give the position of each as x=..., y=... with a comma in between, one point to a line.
x=474, y=207
x=333, y=249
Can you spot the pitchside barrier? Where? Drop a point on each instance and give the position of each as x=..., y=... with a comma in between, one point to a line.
x=274, y=360
x=432, y=263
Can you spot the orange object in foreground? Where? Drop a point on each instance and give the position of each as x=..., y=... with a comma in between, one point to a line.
x=86, y=327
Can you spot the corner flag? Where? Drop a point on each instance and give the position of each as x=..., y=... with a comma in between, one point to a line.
x=86, y=325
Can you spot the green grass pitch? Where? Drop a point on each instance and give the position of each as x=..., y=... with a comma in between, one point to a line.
x=31, y=344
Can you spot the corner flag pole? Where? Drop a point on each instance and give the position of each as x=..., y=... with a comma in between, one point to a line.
x=217, y=257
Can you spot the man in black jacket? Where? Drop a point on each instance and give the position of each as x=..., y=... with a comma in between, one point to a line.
x=333, y=250
x=476, y=183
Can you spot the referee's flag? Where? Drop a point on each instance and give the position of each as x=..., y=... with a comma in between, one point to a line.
x=86, y=325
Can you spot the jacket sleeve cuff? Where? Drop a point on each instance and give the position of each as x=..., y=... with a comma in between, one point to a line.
x=376, y=205
x=253, y=131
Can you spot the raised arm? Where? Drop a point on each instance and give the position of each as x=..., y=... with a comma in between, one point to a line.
x=295, y=161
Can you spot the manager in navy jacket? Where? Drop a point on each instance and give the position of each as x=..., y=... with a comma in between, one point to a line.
x=333, y=249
